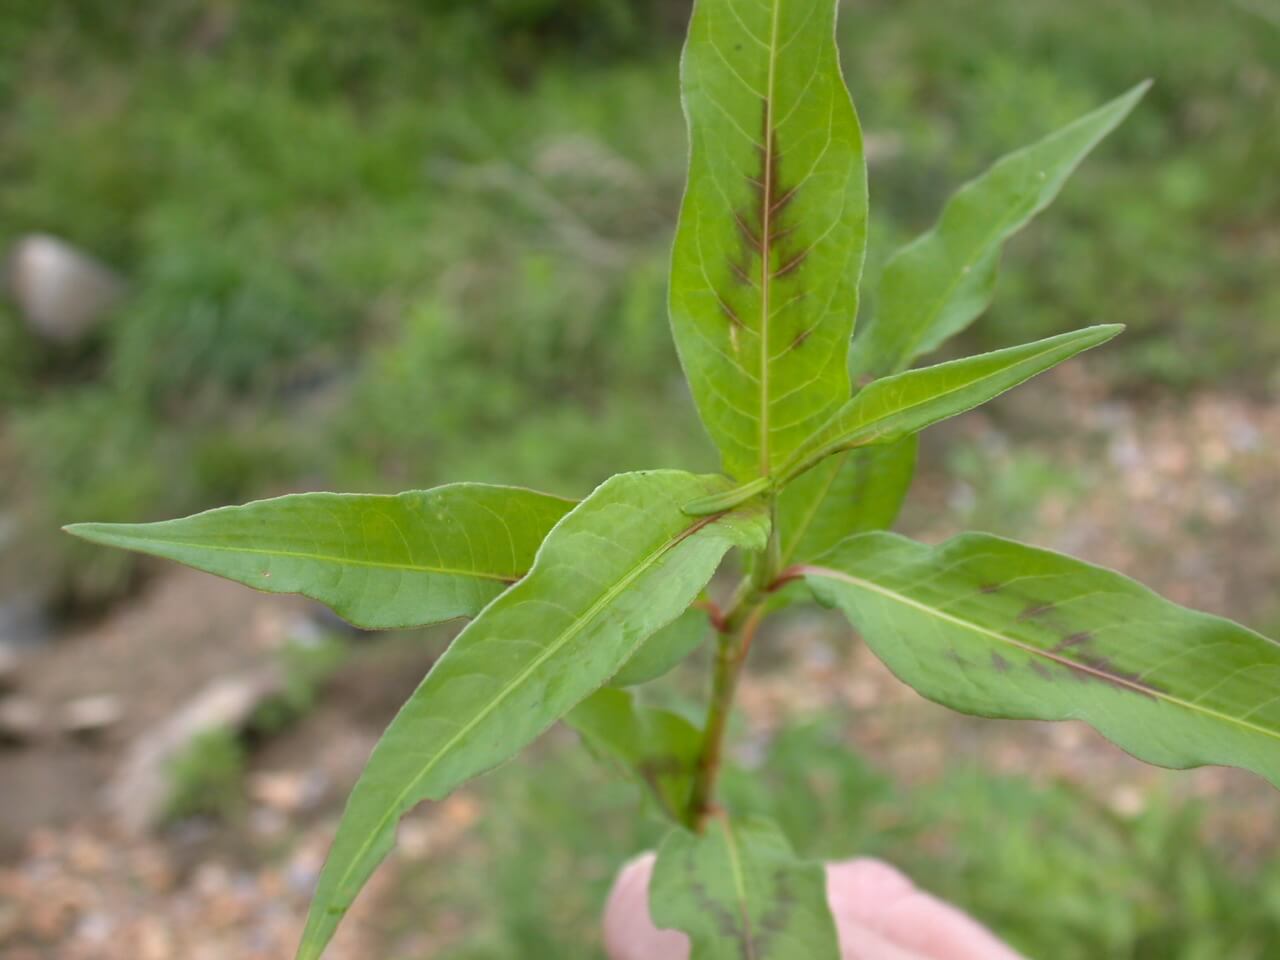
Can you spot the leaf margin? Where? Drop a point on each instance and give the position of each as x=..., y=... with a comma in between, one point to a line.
x=340, y=509
x=903, y=660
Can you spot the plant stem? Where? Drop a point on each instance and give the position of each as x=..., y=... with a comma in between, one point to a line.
x=737, y=627
x=732, y=647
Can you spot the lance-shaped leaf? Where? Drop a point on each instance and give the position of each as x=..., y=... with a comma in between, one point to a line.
x=992, y=627
x=657, y=747
x=906, y=403
x=853, y=492
x=768, y=254
x=738, y=890
x=936, y=286
x=661, y=653
x=623, y=564
x=378, y=561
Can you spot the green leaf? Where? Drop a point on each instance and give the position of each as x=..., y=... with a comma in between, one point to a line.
x=657, y=747
x=906, y=403
x=992, y=627
x=739, y=891
x=719, y=502
x=769, y=250
x=625, y=563
x=936, y=286
x=379, y=561
x=660, y=654
x=852, y=492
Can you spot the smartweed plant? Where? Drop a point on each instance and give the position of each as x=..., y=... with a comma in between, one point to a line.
x=574, y=606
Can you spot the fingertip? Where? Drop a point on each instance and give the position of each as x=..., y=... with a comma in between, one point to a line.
x=865, y=885
x=629, y=932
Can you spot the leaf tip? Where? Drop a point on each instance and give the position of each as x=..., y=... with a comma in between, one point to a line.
x=1131, y=97
x=126, y=536
x=93, y=532
x=1099, y=334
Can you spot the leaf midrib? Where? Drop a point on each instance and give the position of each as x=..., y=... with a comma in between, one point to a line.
x=837, y=445
x=840, y=575
x=995, y=237
x=565, y=637
x=766, y=226
x=323, y=558
x=740, y=889
x=1008, y=223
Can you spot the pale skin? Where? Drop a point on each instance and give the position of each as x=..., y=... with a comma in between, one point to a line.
x=880, y=915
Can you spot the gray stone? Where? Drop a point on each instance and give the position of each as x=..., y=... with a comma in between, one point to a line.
x=139, y=793
x=23, y=623
x=21, y=721
x=62, y=292
x=289, y=791
x=90, y=717
x=8, y=668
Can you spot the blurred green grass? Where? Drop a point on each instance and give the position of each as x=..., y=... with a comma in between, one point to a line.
x=385, y=244
x=1053, y=871
x=376, y=244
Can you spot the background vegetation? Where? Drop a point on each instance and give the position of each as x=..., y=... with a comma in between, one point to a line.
x=1057, y=874
x=383, y=244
